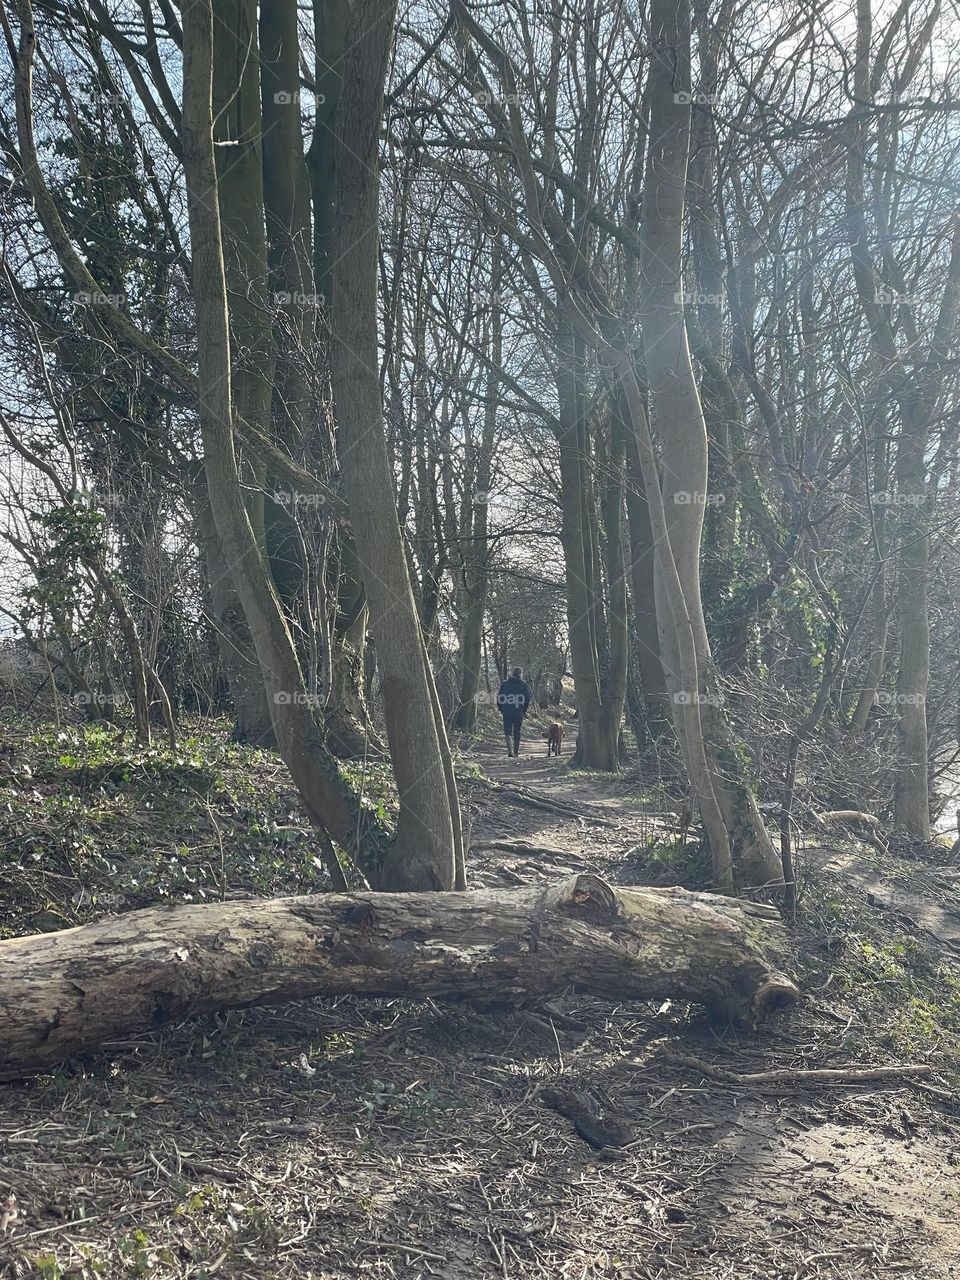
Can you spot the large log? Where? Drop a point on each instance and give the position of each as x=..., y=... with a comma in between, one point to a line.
x=61, y=993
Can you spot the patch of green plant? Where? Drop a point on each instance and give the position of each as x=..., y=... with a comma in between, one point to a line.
x=674, y=861
x=375, y=785
x=419, y=1101
x=907, y=1000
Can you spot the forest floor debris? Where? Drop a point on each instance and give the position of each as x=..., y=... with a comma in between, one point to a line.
x=380, y=1138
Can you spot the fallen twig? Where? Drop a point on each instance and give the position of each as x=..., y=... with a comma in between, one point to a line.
x=814, y=1076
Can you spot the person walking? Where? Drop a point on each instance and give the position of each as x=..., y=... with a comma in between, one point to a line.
x=513, y=699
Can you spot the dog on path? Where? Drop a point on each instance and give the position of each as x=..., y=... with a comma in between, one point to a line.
x=554, y=738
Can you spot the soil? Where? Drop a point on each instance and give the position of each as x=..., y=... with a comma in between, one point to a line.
x=342, y=1138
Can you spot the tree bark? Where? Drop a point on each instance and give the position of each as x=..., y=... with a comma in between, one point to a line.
x=476, y=552
x=642, y=574
x=64, y=992
x=237, y=133
x=740, y=845
x=286, y=194
x=615, y=683
x=911, y=794
x=915, y=381
x=329, y=800
x=330, y=21
x=248, y=695
x=881, y=609
x=423, y=854
x=599, y=726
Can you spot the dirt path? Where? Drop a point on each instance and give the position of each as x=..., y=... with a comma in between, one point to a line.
x=846, y=1182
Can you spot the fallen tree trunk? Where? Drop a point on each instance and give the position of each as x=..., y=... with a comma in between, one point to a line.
x=61, y=993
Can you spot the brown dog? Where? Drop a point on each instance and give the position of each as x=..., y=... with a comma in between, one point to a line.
x=554, y=738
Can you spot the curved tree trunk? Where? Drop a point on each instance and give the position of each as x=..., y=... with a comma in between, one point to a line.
x=61, y=993
x=740, y=845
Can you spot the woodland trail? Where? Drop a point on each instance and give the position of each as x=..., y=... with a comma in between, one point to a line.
x=387, y=1138
x=843, y=1182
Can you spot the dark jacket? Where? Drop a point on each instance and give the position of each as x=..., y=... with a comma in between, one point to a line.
x=513, y=699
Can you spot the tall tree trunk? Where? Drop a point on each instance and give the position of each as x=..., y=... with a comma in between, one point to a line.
x=351, y=734
x=911, y=809
x=911, y=798
x=916, y=385
x=656, y=697
x=423, y=854
x=597, y=737
x=880, y=608
x=328, y=799
x=876, y=664
x=236, y=109
x=476, y=553
x=740, y=844
x=615, y=681
x=330, y=21
x=293, y=303
x=286, y=193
